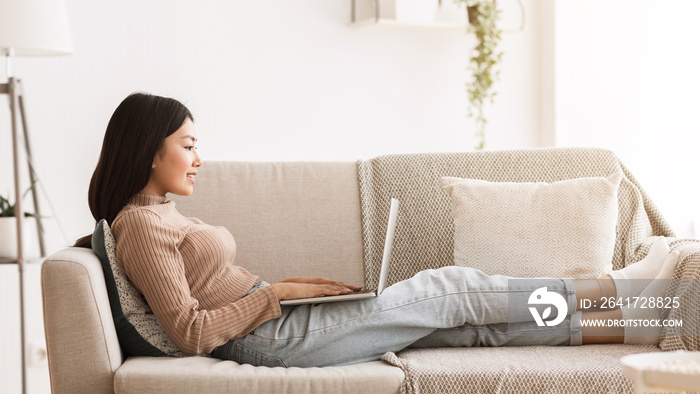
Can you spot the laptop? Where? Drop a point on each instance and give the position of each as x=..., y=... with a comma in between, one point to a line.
x=383, y=273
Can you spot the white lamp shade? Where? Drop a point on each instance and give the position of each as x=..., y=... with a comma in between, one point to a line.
x=34, y=27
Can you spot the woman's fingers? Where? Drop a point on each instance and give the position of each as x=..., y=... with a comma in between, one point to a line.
x=294, y=290
x=353, y=287
x=316, y=280
x=338, y=283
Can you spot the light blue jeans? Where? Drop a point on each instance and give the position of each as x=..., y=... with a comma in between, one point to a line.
x=451, y=306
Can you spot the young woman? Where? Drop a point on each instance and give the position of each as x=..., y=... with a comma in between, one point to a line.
x=207, y=304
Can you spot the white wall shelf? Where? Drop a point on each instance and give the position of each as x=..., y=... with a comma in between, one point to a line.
x=388, y=22
x=373, y=14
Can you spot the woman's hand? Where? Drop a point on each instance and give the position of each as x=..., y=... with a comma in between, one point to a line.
x=306, y=287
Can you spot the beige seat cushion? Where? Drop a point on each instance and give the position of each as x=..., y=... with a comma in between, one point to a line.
x=145, y=375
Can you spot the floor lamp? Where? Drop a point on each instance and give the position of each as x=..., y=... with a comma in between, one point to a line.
x=28, y=28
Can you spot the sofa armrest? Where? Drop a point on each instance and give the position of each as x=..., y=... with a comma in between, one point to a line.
x=685, y=286
x=82, y=345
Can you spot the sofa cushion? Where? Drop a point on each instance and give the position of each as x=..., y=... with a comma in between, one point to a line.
x=138, y=330
x=517, y=369
x=144, y=375
x=564, y=229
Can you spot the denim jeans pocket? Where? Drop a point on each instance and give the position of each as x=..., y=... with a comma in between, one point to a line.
x=243, y=355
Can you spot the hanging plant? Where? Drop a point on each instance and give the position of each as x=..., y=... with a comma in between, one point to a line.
x=483, y=16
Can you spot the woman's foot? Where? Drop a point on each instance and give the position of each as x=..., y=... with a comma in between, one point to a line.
x=643, y=319
x=633, y=279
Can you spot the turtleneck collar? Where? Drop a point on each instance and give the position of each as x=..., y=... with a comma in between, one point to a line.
x=146, y=199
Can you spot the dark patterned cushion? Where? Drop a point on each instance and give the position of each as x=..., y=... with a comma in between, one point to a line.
x=138, y=330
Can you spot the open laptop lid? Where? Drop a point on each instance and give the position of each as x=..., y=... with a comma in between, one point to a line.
x=388, y=244
x=383, y=273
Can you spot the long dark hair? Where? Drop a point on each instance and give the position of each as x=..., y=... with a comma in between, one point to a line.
x=134, y=135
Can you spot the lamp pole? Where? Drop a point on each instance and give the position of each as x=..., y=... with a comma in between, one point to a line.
x=28, y=28
x=13, y=88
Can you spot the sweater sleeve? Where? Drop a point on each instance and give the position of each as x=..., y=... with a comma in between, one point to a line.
x=147, y=248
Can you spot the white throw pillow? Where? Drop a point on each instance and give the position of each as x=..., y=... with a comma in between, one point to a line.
x=564, y=229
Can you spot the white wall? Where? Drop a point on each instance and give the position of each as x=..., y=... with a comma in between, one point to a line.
x=626, y=78
x=266, y=80
x=270, y=80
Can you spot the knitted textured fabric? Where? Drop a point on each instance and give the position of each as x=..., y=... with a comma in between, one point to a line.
x=425, y=231
x=686, y=286
x=424, y=239
x=564, y=229
x=531, y=369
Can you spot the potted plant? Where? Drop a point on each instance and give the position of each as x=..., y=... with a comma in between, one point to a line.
x=8, y=227
x=483, y=17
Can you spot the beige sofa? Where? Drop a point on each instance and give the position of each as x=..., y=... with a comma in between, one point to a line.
x=296, y=218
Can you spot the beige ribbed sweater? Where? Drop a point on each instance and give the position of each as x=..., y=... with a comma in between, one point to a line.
x=184, y=268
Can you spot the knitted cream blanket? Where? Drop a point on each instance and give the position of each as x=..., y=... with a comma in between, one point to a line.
x=424, y=233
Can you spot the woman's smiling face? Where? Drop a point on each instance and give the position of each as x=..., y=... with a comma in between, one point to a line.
x=175, y=165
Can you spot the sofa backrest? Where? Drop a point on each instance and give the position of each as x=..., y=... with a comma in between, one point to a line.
x=288, y=219
x=425, y=231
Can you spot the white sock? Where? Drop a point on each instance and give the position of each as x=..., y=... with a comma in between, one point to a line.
x=640, y=334
x=633, y=279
